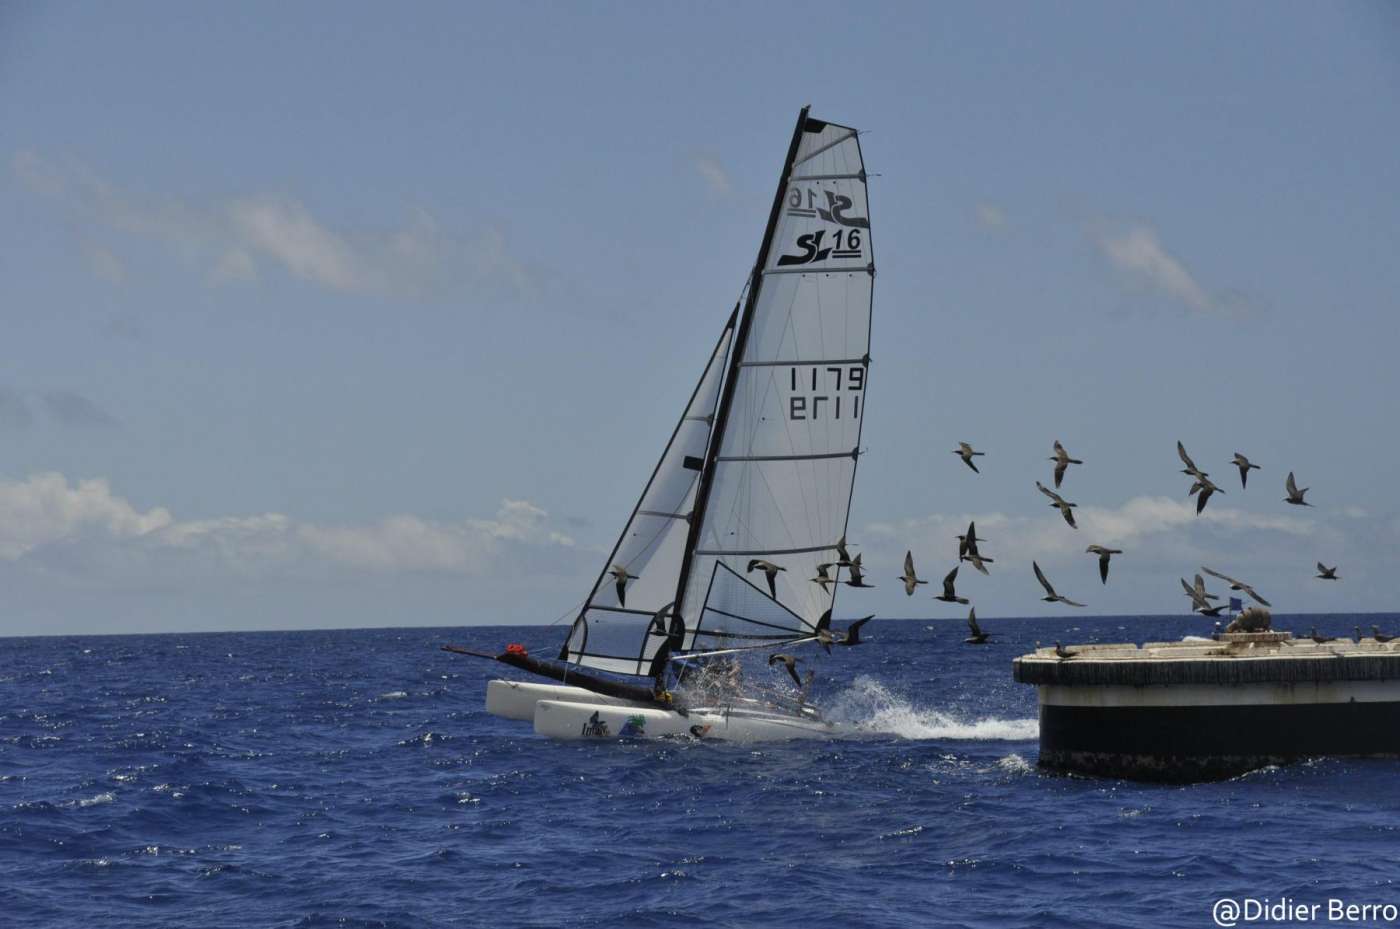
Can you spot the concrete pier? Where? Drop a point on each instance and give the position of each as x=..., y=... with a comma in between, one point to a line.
x=1209, y=709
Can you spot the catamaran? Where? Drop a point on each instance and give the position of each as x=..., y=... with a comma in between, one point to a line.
x=738, y=540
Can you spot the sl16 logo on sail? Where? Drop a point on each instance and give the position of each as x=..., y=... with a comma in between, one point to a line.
x=835, y=211
x=836, y=382
x=811, y=245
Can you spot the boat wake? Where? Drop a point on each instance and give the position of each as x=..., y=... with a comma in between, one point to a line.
x=869, y=706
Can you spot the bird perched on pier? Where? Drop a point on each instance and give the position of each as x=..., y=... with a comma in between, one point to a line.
x=1205, y=487
x=857, y=578
x=950, y=595
x=769, y=569
x=1062, y=653
x=1060, y=504
x=823, y=579
x=1062, y=461
x=622, y=577
x=1104, y=555
x=1050, y=595
x=975, y=634
x=788, y=662
x=1380, y=636
x=1325, y=573
x=1319, y=638
x=1238, y=585
x=1357, y=638
x=909, y=577
x=1245, y=467
x=966, y=452
x=1295, y=496
x=1190, y=468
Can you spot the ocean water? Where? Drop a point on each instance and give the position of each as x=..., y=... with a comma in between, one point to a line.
x=352, y=779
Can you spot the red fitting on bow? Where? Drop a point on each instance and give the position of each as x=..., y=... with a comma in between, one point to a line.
x=515, y=648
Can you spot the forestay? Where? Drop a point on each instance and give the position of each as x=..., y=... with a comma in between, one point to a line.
x=611, y=636
x=785, y=459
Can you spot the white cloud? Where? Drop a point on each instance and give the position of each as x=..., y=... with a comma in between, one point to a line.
x=229, y=239
x=46, y=510
x=1138, y=252
x=990, y=216
x=284, y=230
x=714, y=175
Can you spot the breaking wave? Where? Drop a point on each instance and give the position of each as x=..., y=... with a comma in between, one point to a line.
x=870, y=706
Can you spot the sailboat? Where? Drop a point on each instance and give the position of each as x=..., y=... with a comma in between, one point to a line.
x=737, y=543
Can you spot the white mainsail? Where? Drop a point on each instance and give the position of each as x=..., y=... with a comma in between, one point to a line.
x=615, y=633
x=784, y=466
x=762, y=464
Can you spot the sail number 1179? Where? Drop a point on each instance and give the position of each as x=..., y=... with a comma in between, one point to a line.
x=831, y=392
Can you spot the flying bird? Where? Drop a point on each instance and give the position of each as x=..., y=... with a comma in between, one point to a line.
x=823, y=579
x=1295, y=496
x=620, y=573
x=852, y=636
x=967, y=549
x=1104, y=555
x=769, y=569
x=1062, y=461
x=1059, y=503
x=843, y=557
x=790, y=663
x=975, y=559
x=909, y=577
x=1051, y=596
x=1325, y=573
x=975, y=634
x=1205, y=487
x=1190, y=468
x=857, y=578
x=1238, y=585
x=968, y=541
x=966, y=453
x=949, y=595
x=1245, y=467
x=826, y=638
x=1200, y=600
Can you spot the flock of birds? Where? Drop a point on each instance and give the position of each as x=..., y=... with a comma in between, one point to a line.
x=1202, y=488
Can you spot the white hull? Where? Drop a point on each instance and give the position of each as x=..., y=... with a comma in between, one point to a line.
x=517, y=699
x=561, y=719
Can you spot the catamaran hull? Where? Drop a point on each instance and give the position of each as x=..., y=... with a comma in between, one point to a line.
x=560, y=719
x=517, y=699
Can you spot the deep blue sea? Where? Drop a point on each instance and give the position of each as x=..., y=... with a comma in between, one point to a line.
x=352, y=779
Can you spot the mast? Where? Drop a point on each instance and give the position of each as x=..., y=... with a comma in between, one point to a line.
x=736, y=353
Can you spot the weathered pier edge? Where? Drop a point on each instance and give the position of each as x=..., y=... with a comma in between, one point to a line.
x=1205, y=709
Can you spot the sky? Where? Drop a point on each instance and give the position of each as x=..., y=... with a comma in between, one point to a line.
x=326, y=315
